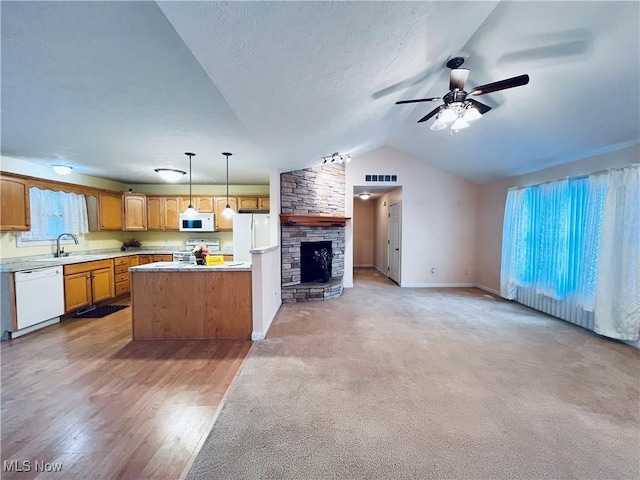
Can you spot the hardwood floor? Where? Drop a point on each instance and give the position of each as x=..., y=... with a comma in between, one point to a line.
x=83, y=395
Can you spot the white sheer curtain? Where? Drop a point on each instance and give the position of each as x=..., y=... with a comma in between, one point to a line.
x=617, y=305
x=53, y=213
x=576, y=242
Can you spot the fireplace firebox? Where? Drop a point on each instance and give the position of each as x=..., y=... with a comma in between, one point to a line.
x=310, y=268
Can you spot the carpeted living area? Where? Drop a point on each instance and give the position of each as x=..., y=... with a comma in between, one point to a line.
x=386, y=382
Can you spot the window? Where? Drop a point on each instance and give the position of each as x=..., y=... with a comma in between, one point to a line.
x=53, y=213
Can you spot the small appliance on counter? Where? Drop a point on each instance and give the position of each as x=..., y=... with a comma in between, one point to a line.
x=185, y=256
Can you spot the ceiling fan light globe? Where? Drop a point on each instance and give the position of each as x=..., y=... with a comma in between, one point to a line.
x=447, y=115
x=471, y=114
x=438, y=125
x=460, y=124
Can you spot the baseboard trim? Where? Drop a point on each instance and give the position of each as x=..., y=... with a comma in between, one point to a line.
x=487, y=289
x=255, y=335
x=435, y=285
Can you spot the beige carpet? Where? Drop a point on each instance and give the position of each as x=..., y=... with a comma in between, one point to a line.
x=391, y=383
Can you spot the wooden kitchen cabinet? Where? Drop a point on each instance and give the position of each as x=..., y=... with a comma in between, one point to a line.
x=144, y=259
x=77, y=291
x=248, y=203
x=223, y=223
x=204, y=204
x=105, y=211
x=253, y=204
x=14, y=204
x=163, y=258
x=121, y=275
x=86, y=283
x=135, y=212
x=163, y=213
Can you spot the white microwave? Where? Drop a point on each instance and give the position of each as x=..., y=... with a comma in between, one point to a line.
x=200, y=222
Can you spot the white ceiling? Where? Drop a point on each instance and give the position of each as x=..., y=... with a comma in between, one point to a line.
x=117, y=89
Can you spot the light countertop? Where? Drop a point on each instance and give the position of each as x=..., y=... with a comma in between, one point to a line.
x=19, y=264
x=189, y=267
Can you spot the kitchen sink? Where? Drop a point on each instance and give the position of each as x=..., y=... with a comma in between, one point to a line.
x=69, y=259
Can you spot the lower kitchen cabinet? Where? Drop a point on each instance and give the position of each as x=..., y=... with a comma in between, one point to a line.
x=144, y=259
x=87, y=283
x=163, y=258
x=121, y=275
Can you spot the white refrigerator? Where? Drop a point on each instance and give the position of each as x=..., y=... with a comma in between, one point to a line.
x=250, y=230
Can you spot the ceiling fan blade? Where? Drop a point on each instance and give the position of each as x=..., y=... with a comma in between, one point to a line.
x=431, y=114
x=419, y=100
x=501, y=85
x=458, y=78
x=481, y=107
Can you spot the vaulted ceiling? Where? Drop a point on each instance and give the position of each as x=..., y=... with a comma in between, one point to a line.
x=117, y=89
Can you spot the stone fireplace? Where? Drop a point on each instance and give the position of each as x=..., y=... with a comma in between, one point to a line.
x=312, y=218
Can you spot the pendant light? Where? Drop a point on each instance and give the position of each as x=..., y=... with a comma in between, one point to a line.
x=190, y=211
x=228, y=211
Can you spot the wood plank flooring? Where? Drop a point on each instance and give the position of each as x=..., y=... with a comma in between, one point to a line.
x=83, y=395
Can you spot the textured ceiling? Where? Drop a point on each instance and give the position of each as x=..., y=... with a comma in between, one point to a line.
x=117, y=89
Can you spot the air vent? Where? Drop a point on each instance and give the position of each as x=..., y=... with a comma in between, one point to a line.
x=380, y=178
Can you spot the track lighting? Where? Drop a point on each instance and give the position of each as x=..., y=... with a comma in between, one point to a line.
x=336, y=158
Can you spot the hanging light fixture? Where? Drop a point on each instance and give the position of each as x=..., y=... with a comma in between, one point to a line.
x=228, y=211
x=170, y=174
x=190, y=211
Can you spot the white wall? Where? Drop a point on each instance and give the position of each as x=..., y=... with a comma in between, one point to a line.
x=492, y=197
x=363, y=232
x=438, y=219
x=266, y=289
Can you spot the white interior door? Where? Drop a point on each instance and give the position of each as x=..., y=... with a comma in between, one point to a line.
x=393, y=268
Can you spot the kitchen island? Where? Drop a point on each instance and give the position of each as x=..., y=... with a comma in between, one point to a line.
x=172, y=301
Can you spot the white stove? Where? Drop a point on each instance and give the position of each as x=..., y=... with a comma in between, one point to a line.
x=185, y=256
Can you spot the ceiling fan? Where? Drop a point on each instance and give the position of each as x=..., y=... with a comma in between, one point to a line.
x=458, y=109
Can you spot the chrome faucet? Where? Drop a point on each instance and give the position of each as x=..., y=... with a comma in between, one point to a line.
x=59, y=253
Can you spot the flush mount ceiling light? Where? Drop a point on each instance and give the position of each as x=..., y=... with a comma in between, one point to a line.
x=228, y=211
x=336, y=158
x=364, y=196
x=170, y=174
x=62, y=169
x=190, y=211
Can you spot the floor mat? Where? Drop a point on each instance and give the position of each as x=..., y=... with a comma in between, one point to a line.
x=101, y=311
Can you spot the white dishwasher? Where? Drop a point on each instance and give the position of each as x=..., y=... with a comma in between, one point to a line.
x=39, y=298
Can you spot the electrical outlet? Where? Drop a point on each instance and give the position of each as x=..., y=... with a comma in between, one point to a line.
x=433, y=270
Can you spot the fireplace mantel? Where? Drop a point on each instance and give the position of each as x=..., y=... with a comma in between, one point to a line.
x=310, y=220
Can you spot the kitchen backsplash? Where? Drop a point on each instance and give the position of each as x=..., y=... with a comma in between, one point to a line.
x=109, y=240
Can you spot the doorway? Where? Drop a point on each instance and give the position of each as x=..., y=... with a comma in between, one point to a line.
x=393, y=242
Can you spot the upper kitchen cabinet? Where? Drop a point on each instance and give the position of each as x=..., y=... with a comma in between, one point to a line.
x=105, y=211
x=223, y=223
x=135, y=212
x=203, y=204
x=14, y=210
x=163, y=213
x=253, y=204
